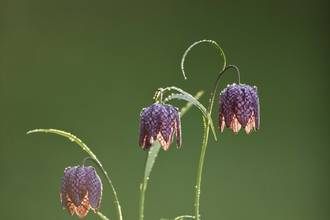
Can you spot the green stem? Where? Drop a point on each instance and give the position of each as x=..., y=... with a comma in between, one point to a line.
x=142, y=196
x=207, y=120
x=205, y=139
x=102, y=216
x=200, y=168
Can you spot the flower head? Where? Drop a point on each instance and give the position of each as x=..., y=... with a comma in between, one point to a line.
x=81, y=190
x=159, y=121
x=239, y=107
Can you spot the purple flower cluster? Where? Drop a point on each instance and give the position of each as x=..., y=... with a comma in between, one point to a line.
x=239, y=107
x=159, y=122
x=81, y=190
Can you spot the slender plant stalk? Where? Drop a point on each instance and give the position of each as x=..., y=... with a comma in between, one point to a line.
x=102, y=216
x=200, y=168
x=206, y=121
x=205, y=139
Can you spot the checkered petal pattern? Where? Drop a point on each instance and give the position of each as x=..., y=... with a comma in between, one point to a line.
x=159, y=122
x=81, y=190
x=239, y=107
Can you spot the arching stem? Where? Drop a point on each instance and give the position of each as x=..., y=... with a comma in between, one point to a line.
x=206, y=121
x=198, y=42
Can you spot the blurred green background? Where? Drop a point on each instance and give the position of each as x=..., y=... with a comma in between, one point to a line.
x=89, y=67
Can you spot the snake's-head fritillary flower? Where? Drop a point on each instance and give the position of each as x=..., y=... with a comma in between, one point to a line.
x=159, y=122
x=239, y=107
x=81, y=190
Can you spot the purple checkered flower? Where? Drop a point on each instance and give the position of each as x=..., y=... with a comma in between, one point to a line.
x=81, y=190
x=159, y=122
x=239, y=107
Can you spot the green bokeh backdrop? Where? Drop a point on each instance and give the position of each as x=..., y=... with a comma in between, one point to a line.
x=89, y=67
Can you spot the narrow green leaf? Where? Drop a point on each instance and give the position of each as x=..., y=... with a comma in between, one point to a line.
x=189, y=98
x=151, y=158
x=180, y=217
x=102, y=216
x=67, y=135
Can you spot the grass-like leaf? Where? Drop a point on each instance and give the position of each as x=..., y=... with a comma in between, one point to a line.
x=182, y=217
x=70, y=136
x=198, y=105
x=102, y=216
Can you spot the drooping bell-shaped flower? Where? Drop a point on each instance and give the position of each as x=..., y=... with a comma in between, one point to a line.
x=239, y=107
x=81, y=190
x=159, y=121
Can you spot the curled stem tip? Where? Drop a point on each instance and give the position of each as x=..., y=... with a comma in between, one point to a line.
x=237, y=70
x=202, y=41
x=89, y=158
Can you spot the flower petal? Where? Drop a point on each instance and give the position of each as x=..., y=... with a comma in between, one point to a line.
x=227, y=104
x=177, y=126
x=94, y=187
x=149, y=125
x=83, y=208
x=235, y=125
x=64, y=190
x=256, y=107
x=77, y=186
x=243, y=107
